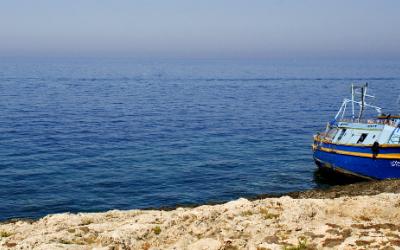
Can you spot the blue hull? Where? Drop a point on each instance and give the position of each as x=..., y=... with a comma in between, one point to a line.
x=364, y=167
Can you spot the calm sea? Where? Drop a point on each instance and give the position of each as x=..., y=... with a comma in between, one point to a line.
x=92, y=135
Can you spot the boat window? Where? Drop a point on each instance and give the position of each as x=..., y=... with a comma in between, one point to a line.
x=362, y=138
x=332, y=133
x=341, y=134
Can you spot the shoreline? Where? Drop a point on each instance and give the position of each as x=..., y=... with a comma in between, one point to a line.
x=353, y=189
x=356, y=216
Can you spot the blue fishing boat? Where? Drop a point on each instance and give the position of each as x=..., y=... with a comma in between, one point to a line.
x=359, y=147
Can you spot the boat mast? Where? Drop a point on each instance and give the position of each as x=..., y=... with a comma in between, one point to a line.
x=352, y=101
x=362, y=104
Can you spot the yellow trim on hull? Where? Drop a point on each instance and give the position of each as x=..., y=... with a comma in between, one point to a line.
x=365, y=155
x=356, y=145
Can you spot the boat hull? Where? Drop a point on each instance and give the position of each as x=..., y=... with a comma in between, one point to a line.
x=365, y=166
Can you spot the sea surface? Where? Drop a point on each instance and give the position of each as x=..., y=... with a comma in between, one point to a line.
x=97, y=134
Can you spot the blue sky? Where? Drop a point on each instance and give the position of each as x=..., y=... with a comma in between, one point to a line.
x=202, y=28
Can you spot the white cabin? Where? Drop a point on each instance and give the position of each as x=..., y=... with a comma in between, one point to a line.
x=363, y=133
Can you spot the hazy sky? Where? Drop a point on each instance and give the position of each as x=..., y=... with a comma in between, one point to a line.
x=202, y=28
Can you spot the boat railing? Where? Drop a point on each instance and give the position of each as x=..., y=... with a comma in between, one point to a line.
x=371, y=121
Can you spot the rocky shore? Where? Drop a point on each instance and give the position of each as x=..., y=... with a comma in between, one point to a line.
x=357, y=216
